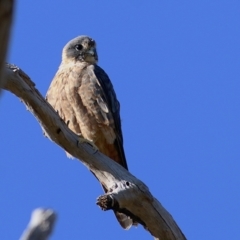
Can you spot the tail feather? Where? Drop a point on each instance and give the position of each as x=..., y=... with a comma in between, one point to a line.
x=124, y=220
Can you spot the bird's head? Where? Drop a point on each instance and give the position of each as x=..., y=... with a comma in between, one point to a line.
x=82, y=48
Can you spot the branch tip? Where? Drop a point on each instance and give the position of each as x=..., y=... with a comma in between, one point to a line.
x=107, y=202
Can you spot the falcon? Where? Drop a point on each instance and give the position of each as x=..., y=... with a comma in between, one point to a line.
x=83, y=95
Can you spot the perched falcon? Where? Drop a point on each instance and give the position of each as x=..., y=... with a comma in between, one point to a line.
x=83, y=95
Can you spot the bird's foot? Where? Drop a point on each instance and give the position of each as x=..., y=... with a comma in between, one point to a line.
x=84, y=140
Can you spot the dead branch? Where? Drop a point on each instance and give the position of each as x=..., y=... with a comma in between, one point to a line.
x=41, y=225
x=6, y=14
x=126, y=193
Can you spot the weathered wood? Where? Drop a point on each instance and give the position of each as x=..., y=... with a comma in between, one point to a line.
x=41, y=225
x=125, y=192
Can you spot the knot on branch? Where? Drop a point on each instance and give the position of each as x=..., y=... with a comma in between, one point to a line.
x=121, y=197
x=107, y=202
x=115, y=197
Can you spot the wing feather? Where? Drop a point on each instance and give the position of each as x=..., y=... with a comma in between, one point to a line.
x=107, y=97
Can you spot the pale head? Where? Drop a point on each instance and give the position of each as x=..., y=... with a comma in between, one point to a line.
x=82, y=48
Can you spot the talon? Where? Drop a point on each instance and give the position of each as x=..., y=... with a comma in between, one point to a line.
x=84, y=140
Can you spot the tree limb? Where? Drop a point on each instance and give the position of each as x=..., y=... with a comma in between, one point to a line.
x=41, y=225
x=126, y=193
x=6, y=14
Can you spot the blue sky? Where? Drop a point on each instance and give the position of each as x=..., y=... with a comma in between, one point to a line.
x=175, y=68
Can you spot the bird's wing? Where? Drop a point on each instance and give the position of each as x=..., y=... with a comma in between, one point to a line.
x=100, y=99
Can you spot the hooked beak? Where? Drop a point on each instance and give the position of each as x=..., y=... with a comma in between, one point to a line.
x=92, y=51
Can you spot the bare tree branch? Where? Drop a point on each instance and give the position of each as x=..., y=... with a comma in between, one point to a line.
x=6, y=13
x=41, y=225
x=126, y=193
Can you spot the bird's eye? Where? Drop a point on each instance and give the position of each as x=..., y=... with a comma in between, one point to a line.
x=78, y=47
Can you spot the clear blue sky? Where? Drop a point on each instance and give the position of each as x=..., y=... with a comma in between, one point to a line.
x=175, y=66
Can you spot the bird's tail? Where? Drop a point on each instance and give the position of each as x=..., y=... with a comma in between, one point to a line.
x=124, y=220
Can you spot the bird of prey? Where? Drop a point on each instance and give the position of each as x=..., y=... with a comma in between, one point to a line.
x=83, y=95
